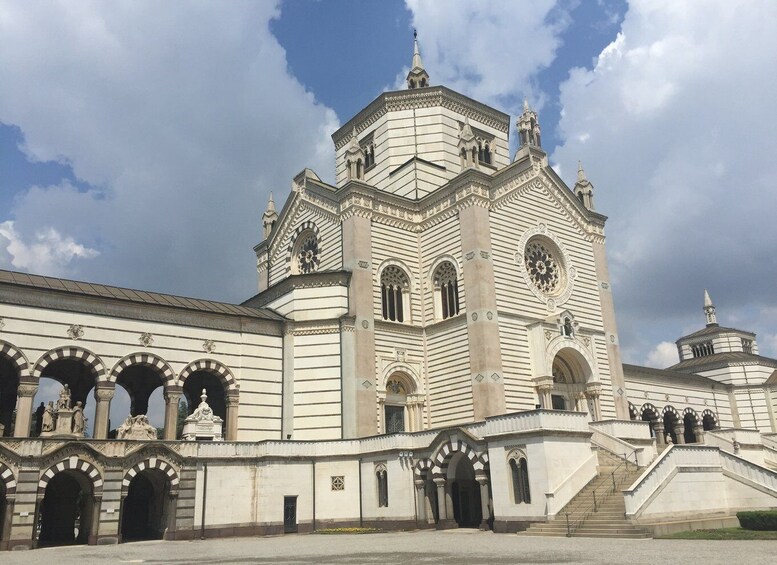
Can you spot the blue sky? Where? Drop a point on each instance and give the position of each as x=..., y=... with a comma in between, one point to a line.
x=139, y=140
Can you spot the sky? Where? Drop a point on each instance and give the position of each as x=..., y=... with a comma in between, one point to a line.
x=139, y=140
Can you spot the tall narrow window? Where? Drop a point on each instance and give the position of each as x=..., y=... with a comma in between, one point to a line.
x=519, y=472
x=393, y=285
x=382, y=478
x=395, y=419
x=447, y=288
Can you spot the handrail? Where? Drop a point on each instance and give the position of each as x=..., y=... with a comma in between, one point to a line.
x=596, y=503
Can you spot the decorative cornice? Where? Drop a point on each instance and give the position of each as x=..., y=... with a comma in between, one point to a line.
x=314, y=280
x=313, y=328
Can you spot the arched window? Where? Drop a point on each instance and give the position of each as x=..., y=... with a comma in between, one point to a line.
x=446, y=286
x=382, y=482
x=519, y=472
x=394, y=284
x=305, y=255
x=400, y=404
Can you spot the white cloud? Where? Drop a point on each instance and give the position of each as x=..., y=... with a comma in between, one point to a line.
x=490, y=51
x=662, y=355
x=678, y=115
x=48, y=252
x=183, y=116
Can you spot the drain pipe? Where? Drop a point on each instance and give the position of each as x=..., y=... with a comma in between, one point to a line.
x=361, y=513
x=204, y=495
x=314, y=494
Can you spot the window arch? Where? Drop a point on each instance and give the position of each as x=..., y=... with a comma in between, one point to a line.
x=395, y=294
x=446, y=287
x=400, y=404
x=519, y=474
x=305, y=257
x=381, y=476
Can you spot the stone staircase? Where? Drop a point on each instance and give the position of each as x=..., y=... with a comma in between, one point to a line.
x=608, y=521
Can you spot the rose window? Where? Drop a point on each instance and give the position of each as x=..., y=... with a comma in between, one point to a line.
x=543, y=268
x=307, y=254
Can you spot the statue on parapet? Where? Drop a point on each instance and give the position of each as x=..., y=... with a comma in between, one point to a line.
x=136, y=428
x=64, y=398
x=49, y=419
x=79, y=420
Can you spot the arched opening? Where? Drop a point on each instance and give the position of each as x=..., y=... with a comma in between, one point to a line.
x=633, y=415
x=519, y=471
x=395, y=289
x=145, y=509
x=670, y=422
x=464, y=492
x=9, y=387
x=80, y=379
x=709, y=422
x=570, y=375
x=214, y=388
x=446, y=286
x=651, y=416
x=689, y=423
x=401, y=409
x=140, y=390
x=66, y=510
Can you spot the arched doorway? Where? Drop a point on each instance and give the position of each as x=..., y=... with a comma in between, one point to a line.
x=146, y=508
x=670, y=423
x=67, y=509
x=9, y=386
x=650, y=415
x=689, y=423
x=708, y=420
x=400, y=404
x=464, y=492
x=571, y=375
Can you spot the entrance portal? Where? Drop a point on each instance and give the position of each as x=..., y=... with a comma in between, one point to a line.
x=144, y=511
x=464, y=492
x=66, y=510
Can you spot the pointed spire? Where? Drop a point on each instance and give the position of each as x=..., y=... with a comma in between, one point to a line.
x=271, y=204
x=580, y=172
x=354, y=144
x=525, y=104
x=709, y=310
x=417, y=77
x=466, y=130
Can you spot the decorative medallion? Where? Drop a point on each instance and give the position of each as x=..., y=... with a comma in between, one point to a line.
x=479, y=377
x=75, y=331
x=545, y=266
x=490, y=315
x=209, y=346
x=475, y=316
x=366, y=384
x=495, y=376
x=364, y=264
x=395, y=386
x=620, y=391
x=365, y=324
x=2, y=324
x=146, y=339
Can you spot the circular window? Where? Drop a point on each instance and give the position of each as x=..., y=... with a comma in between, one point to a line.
x=543, y=267
x=306, y=253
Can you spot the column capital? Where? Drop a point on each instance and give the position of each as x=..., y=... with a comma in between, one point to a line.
x=543, y=383
x=27, y=389
x=593, y=389
x=419, y=483
x=172, y=393
x=233, y=399
x=104, y=391
x=439, y=481
x=481, y=479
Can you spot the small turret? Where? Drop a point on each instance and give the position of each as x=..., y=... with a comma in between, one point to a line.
x=709, y=310
x=584, y=190
x=354, y=158
x=468, y=146
x=417, y=77
x=269, y=218
x=528, y=127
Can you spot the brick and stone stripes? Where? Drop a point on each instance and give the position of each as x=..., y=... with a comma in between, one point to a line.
x=16, y=357
x=444, y=454
x=74, y=463
x=77, y=353
x=211, y=366
x=152, y=463
x=161, y=367
x=8, y=479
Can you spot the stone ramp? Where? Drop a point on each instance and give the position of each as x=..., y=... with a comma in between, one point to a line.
x=608, y=520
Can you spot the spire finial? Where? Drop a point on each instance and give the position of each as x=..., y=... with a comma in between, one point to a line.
x=417, y=77
x=525, y=104
x=580, y=172
x=271, y=204
x=203, y=396
x=709, y=310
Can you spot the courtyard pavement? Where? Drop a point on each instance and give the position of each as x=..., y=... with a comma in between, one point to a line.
x=452, y=547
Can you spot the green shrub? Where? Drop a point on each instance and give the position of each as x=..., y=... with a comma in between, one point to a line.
x=764, y=520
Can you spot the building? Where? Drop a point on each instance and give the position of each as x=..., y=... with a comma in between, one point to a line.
x=433, y=344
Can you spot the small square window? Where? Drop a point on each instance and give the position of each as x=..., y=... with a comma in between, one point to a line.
x=338, y=483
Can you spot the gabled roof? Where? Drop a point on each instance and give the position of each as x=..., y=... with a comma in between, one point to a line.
x=670, y=374
x=127, y=295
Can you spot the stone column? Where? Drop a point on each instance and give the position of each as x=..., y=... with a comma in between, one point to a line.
x=658, y=426
x=420, y=501
x=485, y=508
x=544, y=386
x=698, y=431
x=679, y=431
x=172, y=397
x=442, y=507
x=172, y=511
x=103, y=393
x=233, y=401
x=26, y=394
x=94, y=527
x=592, y=392
x=5, y=527
x=485, y=354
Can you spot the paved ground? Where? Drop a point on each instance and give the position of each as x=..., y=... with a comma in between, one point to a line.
x=450, y=547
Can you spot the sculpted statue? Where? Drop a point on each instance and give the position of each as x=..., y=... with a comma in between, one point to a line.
x=136, y=427
x=48, y=421
x=64, y=398
x=79, y=421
